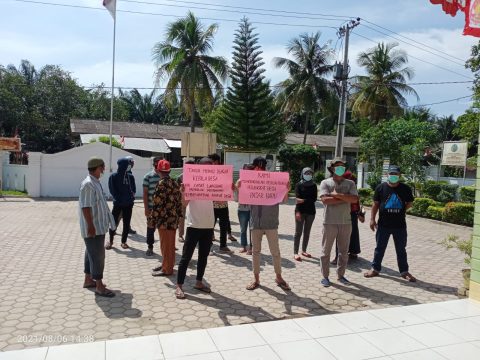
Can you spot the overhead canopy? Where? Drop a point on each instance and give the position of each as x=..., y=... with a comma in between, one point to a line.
x=174, y=143
x=128, y=143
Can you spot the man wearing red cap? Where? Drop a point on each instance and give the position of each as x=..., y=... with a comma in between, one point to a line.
x=165, y=215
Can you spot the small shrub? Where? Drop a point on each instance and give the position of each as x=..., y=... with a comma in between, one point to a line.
x=459, y=213
x=464, y=246
x=420, y=206
x=318, y=177
x=445, y=196
x=366, y=196
x=440, y=191
x=467, y=194
x=435, y=212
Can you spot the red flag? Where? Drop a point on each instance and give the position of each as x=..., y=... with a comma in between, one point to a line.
x=449, y=6
x=472, y=18
x=111, y=6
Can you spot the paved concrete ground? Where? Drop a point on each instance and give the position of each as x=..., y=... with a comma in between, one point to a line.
x=43, y=302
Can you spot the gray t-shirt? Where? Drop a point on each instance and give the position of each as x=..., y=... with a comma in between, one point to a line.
x=337, y=214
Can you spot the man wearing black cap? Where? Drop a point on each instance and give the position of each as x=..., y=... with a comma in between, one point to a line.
x=391, y=201
x=95, y=219
x=336, y=193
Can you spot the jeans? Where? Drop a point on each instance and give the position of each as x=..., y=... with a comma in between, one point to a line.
x=150, y=237
x=399, y=239
x=204, y=239
x=243, y=219
x=126, y=212
x=303, y=226
x=94, y=262
x=222, y=215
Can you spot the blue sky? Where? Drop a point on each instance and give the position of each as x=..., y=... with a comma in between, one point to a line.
x=80, y=40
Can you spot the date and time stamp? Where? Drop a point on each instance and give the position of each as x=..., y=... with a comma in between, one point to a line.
x=54, y=339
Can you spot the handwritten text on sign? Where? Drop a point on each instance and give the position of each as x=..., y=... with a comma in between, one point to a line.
x=208, y=182
x=262, y=187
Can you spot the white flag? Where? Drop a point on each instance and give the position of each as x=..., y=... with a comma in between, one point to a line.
x=111, y=6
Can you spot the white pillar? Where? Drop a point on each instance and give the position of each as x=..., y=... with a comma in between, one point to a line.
x=34, y=174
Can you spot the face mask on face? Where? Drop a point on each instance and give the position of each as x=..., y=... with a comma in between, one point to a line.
x=307, y=177
x=340, y=170
x=393, y=178
x=129, y=167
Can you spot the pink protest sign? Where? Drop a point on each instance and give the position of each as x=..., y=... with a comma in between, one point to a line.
x=262, y=187
x=208, y=182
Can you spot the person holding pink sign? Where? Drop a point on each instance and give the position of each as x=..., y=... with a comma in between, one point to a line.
x=264, y=221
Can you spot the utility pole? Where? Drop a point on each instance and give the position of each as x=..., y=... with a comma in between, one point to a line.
x=344, y=30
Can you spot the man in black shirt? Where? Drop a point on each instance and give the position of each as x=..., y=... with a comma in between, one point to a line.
x=391, y=201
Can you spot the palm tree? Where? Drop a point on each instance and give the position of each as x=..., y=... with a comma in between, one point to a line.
x=306, y=88
x=183, y=58
x=381, y=93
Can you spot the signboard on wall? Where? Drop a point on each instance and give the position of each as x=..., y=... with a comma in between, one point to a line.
x=10, y=144
x=198, y=144
x=454, y=153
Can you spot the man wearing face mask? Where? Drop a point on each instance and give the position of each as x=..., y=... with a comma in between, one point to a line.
x=122, y=188
x=391, y=201
x=336, y=193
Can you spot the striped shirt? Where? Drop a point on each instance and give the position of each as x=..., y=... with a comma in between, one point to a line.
x=92, y=196
x=150, y=181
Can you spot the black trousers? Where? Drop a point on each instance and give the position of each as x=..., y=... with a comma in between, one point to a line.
x=126, y=212
x=222, y=215
x=193, y=236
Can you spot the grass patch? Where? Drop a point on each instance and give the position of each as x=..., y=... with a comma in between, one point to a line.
x=13, y=193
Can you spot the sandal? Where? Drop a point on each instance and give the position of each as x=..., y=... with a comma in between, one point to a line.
x=253, y=285
x=179, y=294
x=304, y=253
x=203, y=288
x=242, y=251
x=297, y=257
x=283, y=284
x=109, y=246
x=409, y=277
x=89, y=286
x=158, y=268
x=371, y=273
x=125, y=246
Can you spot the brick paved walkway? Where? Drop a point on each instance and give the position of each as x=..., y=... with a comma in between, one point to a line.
x=43, y=302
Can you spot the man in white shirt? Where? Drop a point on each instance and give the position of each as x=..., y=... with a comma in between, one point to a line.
x=200, y=221
x=95, y=219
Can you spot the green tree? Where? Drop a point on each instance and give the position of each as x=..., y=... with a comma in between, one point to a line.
x=249, y=119
x=39, y=104
x=380, y=94
x=183, y=59
x=295, y=158
x=401, y=140
x=95, y=104
x=306, y=89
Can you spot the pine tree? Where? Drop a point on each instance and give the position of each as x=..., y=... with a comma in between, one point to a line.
x=249, y=119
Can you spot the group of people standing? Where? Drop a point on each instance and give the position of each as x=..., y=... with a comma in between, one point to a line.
x=166, y=210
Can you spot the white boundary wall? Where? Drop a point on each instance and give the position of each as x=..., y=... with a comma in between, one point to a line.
x=60, y=175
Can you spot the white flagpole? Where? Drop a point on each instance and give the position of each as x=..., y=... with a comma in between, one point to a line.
x=113, y=85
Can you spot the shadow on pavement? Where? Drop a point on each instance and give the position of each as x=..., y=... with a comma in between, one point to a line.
x=376, y=296
x=119, y=306
x=289, y=298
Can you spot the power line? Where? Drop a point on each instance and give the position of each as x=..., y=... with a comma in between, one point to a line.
x=229, y=11
x=415, y=41
x=415, y=46
x=421, y=105
x=259, y=9
x=171, y=15
x=419, y=59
